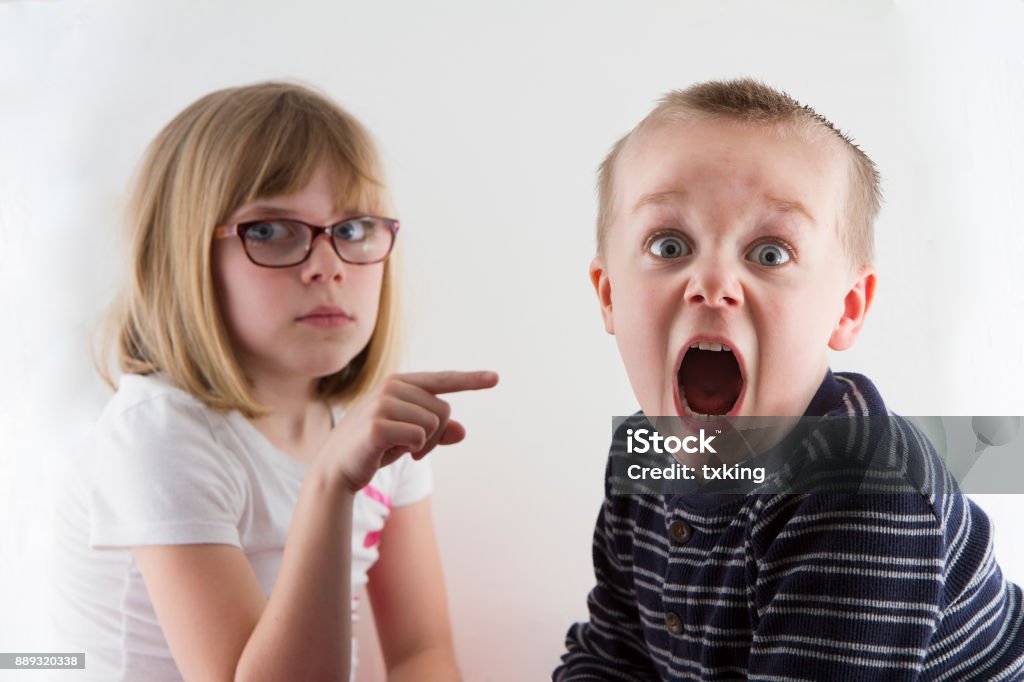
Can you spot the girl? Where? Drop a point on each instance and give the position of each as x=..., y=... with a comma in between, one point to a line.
x=232, y=508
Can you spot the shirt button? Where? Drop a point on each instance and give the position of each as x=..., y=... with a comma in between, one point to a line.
x=681, y=532
x=673, y=623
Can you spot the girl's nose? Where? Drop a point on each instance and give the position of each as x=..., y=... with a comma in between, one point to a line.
x=323, y=263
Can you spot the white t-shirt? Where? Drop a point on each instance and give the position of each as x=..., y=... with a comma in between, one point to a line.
x=160, y=468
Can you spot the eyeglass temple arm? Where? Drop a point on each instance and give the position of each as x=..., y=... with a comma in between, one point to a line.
x=225, y=231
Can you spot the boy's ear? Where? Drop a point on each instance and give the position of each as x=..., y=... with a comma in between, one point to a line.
x=855, y=309
x=603, y=289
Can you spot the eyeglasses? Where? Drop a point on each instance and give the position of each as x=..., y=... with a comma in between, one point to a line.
x=285, y=242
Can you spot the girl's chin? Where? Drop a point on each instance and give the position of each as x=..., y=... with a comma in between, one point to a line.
x=316, y=372
x=324, y=372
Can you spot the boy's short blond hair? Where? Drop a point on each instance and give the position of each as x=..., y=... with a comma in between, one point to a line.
x=750, y=101
x=226, y=149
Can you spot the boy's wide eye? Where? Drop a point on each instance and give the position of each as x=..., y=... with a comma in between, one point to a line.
x=669, y=248
x=769, y=255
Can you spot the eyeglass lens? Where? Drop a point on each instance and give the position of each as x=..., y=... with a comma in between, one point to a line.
x=286, y=242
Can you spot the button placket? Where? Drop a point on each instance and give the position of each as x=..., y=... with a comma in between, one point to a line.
x=680, y=531
x=674, y=623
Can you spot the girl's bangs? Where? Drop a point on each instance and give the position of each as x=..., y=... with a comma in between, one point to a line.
x=284, y=154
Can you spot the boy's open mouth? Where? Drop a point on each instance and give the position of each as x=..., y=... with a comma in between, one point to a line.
x=709, y=379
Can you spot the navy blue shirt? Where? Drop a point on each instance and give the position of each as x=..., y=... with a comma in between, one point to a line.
x=816, y=586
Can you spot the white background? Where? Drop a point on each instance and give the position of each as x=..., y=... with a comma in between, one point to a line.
x=492, y=119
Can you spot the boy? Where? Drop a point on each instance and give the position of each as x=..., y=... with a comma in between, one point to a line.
x=734, y=247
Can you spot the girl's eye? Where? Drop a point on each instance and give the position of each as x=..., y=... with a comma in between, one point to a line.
x=669, y=248
x=352, y=230
x=769, y=255
x=269, y=231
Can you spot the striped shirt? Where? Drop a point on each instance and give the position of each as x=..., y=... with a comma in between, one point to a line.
x=818, y=586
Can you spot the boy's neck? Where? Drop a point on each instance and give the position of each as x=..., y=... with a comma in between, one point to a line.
x=826, y=397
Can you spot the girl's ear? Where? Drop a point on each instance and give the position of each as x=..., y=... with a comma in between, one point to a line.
x=855, y=308
x=603, y=289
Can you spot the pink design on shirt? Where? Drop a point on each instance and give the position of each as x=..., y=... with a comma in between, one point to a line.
x=373, y=537
x=375, y=494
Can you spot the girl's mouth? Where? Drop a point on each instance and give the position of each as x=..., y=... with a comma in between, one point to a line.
x=709, y=381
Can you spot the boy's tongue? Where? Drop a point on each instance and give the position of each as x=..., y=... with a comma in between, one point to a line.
x=710, y=381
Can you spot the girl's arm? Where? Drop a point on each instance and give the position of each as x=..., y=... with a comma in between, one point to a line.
x=219, y=625
x=406, y=589
x=208, y=601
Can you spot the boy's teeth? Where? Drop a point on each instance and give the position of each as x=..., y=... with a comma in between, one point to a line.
x=711, y=345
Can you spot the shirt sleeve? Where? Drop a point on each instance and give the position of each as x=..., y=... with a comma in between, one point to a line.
x=845, y=587
x=414, y=480
x=160, y=477
x=611, y=645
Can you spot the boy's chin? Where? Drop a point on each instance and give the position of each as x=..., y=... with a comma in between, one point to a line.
x=677, y=411
x=683, y=411
x=671, y=415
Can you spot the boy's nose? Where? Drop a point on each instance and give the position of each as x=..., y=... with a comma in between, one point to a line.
x=714, y=286
x=323, y=263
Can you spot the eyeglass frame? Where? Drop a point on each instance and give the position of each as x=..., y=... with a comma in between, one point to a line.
x=315, y=231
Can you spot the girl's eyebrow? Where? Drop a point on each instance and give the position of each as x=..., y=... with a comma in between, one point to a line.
x=261, y=211
x=269, y=211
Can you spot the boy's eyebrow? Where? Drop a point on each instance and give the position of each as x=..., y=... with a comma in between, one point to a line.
x=659, y=198
x=789, y=206
x=775, y=203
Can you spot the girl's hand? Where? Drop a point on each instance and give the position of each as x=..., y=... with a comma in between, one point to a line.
x=403, y=414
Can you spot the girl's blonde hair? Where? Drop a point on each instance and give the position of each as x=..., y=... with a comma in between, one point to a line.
x=225, y=150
